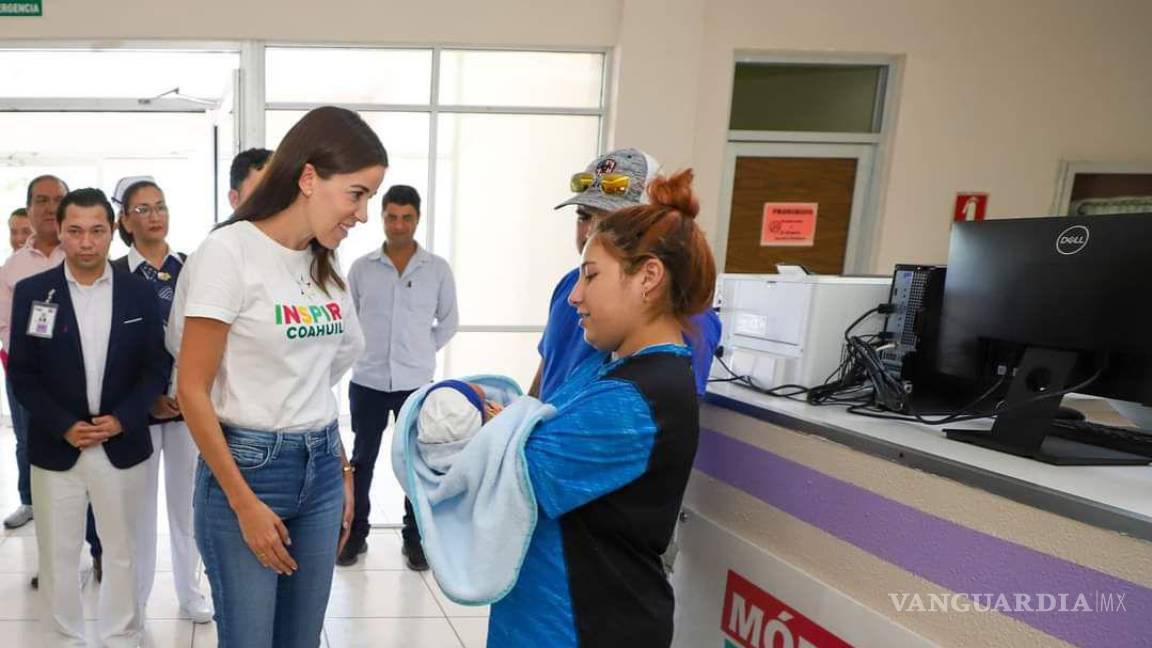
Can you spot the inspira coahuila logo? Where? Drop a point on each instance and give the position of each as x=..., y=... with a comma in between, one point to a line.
x=310, y=320
x=1072, y=240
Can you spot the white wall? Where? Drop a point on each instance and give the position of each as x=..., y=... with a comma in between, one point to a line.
x=994, y=94
x=657, y=62
x=493, y=22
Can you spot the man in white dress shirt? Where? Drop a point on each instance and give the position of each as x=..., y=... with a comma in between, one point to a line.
x=405, y=297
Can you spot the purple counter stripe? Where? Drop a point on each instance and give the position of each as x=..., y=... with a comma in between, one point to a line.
x=950, y=555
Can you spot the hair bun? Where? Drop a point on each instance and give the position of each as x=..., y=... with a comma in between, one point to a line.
x=675, y=192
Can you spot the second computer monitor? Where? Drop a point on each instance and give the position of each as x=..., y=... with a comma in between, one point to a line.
x=1069, y=284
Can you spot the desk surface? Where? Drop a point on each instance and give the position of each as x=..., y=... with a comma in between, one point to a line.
x=1112, y=497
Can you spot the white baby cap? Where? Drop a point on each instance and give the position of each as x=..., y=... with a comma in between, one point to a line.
x=447, y=415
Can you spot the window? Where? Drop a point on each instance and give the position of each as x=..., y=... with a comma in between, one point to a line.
x=807, y=110
x=405, y=136
x=348, y=76
x=489, y=138
x=160, y=112
x=137, y=74
x=807, y=97
x=496, y=222
x=536, y=79
x=97, y=149
x=124, y=112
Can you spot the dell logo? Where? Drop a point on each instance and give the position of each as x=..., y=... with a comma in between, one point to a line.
x=1072, y=240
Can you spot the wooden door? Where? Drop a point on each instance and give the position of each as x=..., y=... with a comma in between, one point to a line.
x=831, y=183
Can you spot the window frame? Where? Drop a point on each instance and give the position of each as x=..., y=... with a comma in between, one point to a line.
x=434, y=109
x=863, y=250
x=250, y=102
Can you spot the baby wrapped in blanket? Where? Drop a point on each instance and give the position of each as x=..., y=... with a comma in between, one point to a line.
x=452, y=413
x=463, y=468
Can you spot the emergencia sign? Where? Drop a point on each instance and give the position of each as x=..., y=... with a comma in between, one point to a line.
x=26, y=8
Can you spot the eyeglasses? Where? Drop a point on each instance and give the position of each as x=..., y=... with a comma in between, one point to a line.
x=144, y=211
x=609, y=183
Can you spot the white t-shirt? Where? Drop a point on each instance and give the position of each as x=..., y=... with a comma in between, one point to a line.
x=289, y=343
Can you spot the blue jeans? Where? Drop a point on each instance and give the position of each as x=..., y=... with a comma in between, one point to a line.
x=299, y=476
x=20, y=427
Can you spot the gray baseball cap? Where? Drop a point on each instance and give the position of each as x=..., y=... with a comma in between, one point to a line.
x=634, y=163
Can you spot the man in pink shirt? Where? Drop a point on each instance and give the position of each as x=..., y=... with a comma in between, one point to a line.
x=40, y=252
x=19, y=228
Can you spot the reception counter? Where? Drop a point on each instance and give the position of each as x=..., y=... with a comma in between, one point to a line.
x=811, y=526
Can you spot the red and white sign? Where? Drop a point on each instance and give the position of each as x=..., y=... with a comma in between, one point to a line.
x=754, y=618
x=970, y=207
x=788, y=225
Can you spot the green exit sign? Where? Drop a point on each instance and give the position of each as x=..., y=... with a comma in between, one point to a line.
x=25, y=8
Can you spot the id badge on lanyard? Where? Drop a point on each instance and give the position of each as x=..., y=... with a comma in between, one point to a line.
x=42, y=319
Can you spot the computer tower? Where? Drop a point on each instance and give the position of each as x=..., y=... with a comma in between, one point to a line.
x=913, y=327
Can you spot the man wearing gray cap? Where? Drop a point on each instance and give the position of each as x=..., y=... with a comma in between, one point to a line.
x=612, y=181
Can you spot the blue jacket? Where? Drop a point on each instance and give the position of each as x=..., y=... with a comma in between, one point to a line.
x=48, y=374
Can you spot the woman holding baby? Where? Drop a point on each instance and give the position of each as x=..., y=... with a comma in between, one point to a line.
x=560, y=511
x=609, y=469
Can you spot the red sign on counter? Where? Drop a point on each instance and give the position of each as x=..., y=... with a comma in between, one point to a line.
x=754, y=618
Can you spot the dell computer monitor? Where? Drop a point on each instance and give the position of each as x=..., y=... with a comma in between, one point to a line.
x=1042, y=304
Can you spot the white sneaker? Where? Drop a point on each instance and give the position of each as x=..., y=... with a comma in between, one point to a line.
x=199, y=611
x=21, y=516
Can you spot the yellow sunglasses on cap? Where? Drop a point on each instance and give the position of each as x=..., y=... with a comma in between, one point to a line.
x=610, y=183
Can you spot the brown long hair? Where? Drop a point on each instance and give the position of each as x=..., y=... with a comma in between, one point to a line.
x=665, y=228
x=334, y=141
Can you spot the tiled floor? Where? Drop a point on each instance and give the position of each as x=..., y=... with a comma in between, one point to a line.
x=375, y=604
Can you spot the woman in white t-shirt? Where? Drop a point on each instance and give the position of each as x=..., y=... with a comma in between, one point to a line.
x=268, y=330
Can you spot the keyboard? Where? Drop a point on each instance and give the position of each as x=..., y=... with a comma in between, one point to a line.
x=1105, y=436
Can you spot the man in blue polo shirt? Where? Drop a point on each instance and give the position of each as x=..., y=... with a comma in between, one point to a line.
x=613, y=181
